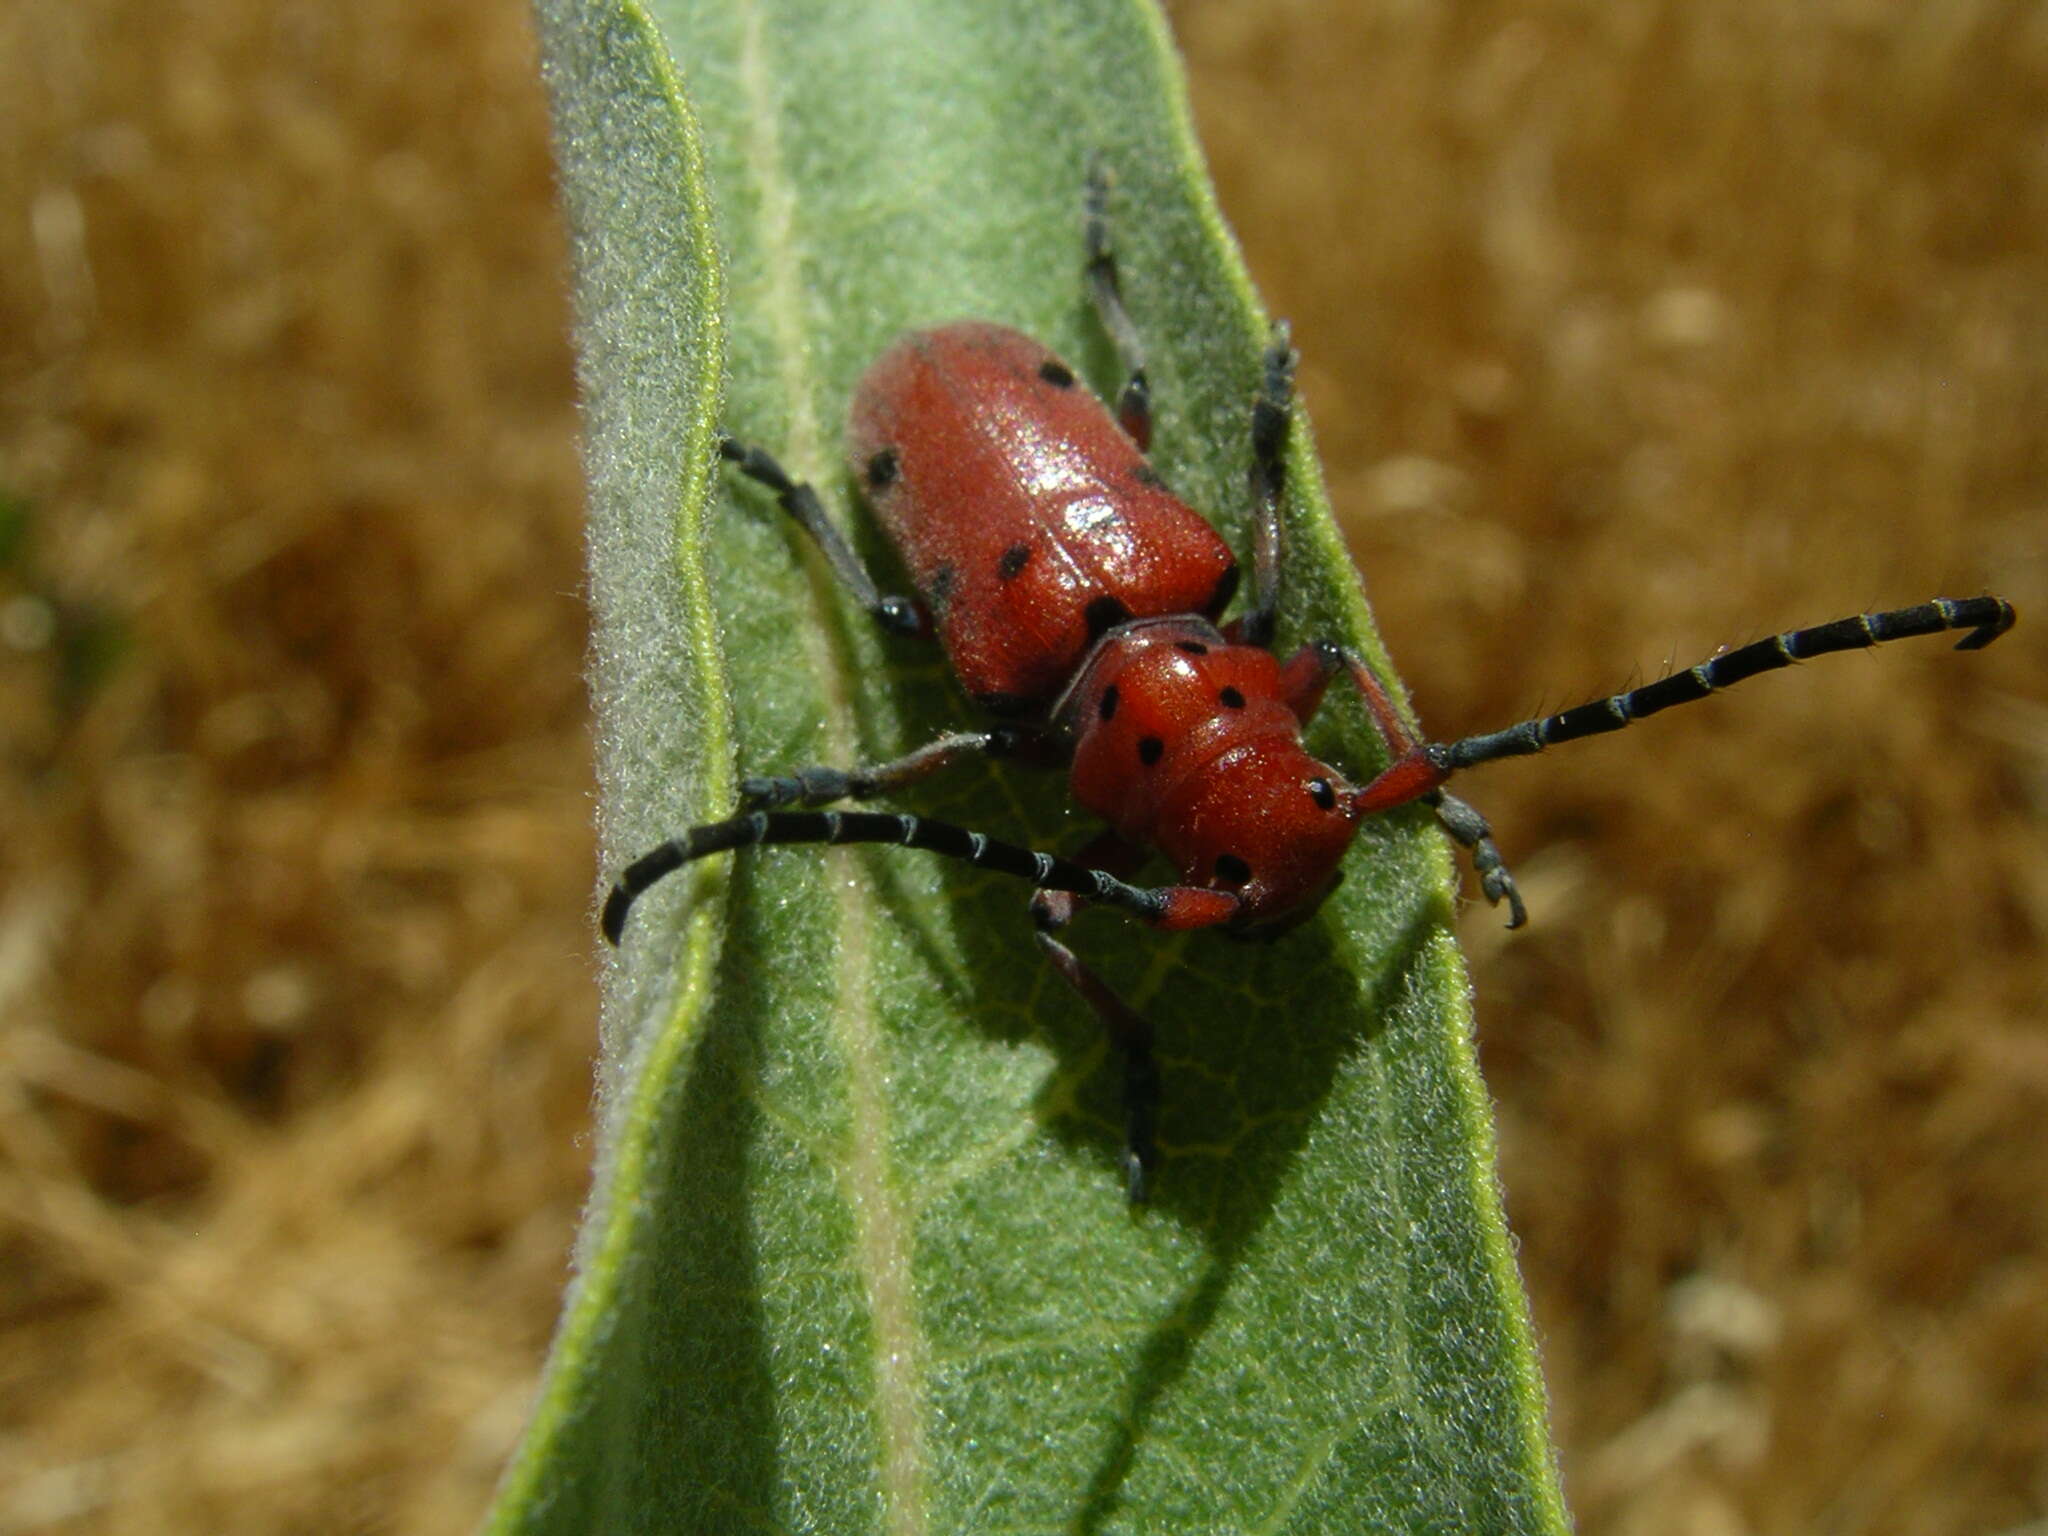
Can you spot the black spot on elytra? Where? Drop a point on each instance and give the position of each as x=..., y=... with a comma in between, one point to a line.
x=1231, y=698
x=1232, y=870
x=1150, y=750
x=1012, y=561
x=882, y=469
x=1104, y=613
x=1056, y=373
x=1226, y=589
x=1323, y=793
x=1192, y=647
x=1107, y=709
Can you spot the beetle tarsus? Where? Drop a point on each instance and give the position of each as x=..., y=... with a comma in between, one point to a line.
x=893, y=613
x=1105, y=290
x=1469, y=830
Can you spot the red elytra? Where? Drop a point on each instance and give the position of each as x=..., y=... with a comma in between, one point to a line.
x=1078, y=601
x=1025, y=516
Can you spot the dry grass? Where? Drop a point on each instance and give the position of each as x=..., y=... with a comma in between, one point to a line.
x=293, y=946
x=1631, y=330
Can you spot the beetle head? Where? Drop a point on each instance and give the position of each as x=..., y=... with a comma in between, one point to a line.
x=1268, y=822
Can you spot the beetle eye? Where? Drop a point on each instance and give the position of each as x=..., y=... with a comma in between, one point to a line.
x=1323, y=793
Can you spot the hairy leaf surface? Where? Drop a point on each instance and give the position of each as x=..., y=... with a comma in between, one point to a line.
x=858, y=1258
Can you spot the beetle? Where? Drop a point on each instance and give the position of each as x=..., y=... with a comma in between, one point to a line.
x=1081, y=605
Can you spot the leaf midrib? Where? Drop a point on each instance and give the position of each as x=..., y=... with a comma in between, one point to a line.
x=882, y=1225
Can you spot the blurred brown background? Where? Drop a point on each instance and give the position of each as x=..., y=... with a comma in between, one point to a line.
x=1629, y=331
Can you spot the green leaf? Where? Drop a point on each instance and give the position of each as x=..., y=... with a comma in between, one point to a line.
x=858, y=1258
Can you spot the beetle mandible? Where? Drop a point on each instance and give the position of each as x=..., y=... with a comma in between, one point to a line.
x=1081, y=605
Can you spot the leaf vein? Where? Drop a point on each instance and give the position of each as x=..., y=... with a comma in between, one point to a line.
x=882, y=1227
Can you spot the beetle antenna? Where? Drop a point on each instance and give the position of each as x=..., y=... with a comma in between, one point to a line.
x=1985, y=617
x=1164, y=906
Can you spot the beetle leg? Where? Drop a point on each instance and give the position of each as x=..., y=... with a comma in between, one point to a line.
x=1416, y=770
x=1272, y=412
x=1469, y=830
x=897, y=615
x=1306, y=675
x=1303, y=681
x=823, y=785
x=1134, y=402
x=1129, y=1031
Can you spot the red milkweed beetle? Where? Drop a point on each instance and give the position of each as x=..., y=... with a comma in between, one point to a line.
x=1079, y=602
